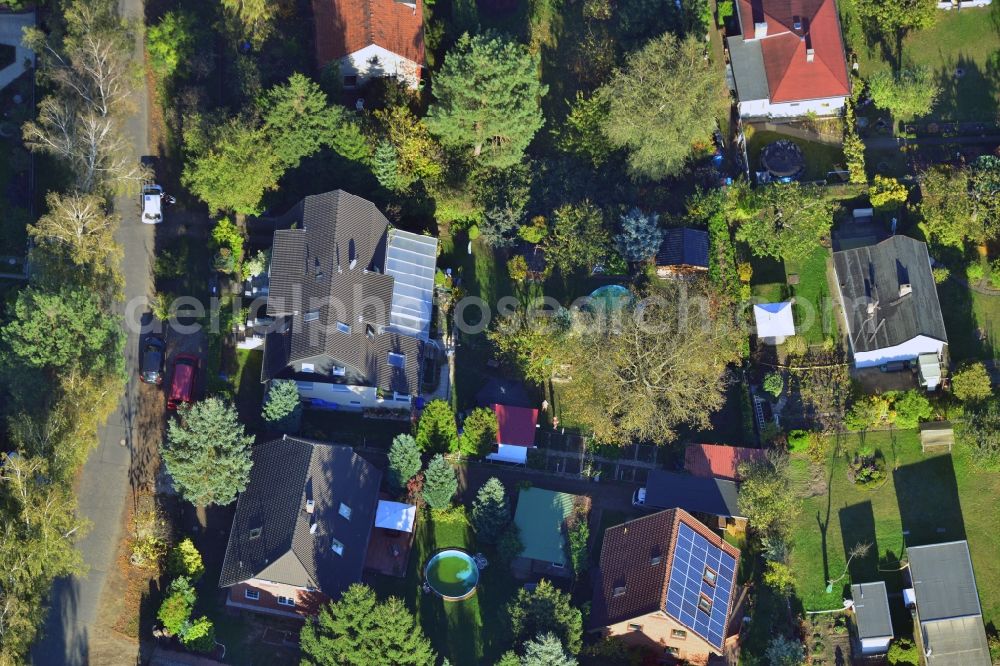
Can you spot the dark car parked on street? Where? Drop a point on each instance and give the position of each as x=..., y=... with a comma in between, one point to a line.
x=153, y=355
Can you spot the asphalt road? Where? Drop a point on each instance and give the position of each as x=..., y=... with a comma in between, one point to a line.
x=103, y=486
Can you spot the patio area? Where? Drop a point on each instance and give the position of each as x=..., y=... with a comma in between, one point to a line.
x=391, y=539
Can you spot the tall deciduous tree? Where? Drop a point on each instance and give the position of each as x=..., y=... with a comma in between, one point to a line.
x=357, y=630
x=946, y=208
x=640, y=235
x=207, y=453
x=299, y=120
x=666, y=99
x=256, y=17
x=418, y=155
x=580, y=134
x=62, y=332
x=172, y=42
x=479, y=432
x=766, y=498
x=440, y=483
x=79, y=224
x=490, y=511
x=487, y=99
x=972, y=383
x=788, y=221
x=895, y=15
x=37, y=537
x=234, y=168
x=906, y=94
x=404, y=461
x=436, y=430
x=654, y=367
x=531, y=341
x=579, y=239
x=283, y=406
x=546, y=609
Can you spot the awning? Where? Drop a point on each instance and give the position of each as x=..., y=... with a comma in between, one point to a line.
x=510, y=453
x=395, y=516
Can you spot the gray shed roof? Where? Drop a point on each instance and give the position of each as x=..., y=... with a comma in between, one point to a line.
x=948, y=607
x=347, y=289
x=683, y=246
x=669, y=490
x=871, y=610
x=748, y=69
x=874, y=278
x=287, y=549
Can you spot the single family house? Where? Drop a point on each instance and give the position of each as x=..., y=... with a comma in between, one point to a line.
x=351, y=299
x=667, y=583
x=300, y=534
x=944, y=600
x=890, y=305
x=870, y=604
x=789, y=60
x=368, y=39
x=683, y=251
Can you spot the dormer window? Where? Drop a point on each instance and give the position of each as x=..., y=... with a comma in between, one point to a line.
x=312, y=315
x=618, y=591
x=336, y=546
x=345, y=511
x=308, y=367
x=397, y=360
x=343, y=328
x=654, y=560
x=255, y=532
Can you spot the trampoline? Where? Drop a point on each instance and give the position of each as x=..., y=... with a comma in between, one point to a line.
x=784, y=160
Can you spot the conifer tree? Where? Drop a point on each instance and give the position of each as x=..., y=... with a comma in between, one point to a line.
x=490, y=511
x=440, y=483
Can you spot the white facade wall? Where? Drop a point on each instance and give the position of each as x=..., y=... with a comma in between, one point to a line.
x=907, y=351
x=348, y=397
x=373, y=61
x=875, y=645
x=760, y=108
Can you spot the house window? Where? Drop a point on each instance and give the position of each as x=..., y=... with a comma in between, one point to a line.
x=672, y=651
x=286, y=601
x=350, y=81
x=710, y=576
x=336, y=546
x=312, y=315
x=654, y=560
x=343, y=328
x=705, y=604
x=338, y=371
x=558, y=565
x=618, y=591
x=679, y=634
x=252, y=595
x=635, y=627
x=255, y=532
x=308, y=367
x=345, y=511
x=397, y=360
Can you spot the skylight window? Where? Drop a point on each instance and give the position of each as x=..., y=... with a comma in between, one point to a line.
x=312, y=315
x=343, y=328
x=618, y=591
x=336, y=546
x=705, y=604
x=345, y=511
x=397, y=360
x=255, y=532
x=710, y=576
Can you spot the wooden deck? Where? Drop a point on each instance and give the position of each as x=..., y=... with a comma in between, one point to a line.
x=389, y=552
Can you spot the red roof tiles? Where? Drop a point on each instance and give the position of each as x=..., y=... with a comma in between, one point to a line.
x=346, y=26
x=515, y=425
x=717, y=460
x=790, y=75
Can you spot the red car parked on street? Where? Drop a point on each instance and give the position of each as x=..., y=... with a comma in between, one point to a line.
x=182, y=385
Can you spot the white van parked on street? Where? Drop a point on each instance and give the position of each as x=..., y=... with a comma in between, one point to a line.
x=152, y=204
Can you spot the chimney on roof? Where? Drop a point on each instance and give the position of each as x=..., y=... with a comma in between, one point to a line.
x=810, y=53
x=905, y=289
x=310, y=506
x=758, y=18
x=760, y=30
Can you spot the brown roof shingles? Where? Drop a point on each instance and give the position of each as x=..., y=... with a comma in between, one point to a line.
x=347, y=26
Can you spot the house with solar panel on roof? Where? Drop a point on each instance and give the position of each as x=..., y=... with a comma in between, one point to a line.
x=667, y=583
x=788, y=60
x=352, y=299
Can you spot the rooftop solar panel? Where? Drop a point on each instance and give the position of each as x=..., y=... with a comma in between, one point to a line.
x=689, y=593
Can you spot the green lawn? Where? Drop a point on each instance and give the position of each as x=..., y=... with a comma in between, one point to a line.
x=820, y=157
x=813, y=316
x=474, y=631
x=969, y=39
x=926, y=499
x=967, y=315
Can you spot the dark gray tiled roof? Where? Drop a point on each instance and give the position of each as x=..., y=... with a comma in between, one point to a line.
x=286, y=472
x=314, y=292
x=874, y=274
x=748, y=69
x=668, y=490
x=871, y=609
x=683, y=246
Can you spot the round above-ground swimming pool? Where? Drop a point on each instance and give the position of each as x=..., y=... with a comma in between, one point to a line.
x=452, y=574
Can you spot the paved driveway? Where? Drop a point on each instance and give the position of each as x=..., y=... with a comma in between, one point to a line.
x=103, y=487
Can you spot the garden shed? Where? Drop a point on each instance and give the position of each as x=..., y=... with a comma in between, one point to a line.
x=871, y=615
x=936, y=436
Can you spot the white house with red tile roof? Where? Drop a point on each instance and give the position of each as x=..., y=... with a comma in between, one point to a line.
x=789, y=60
x=371, y=39
x=515, y=433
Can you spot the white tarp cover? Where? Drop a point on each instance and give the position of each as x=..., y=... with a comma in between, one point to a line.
x=410, y=259
x=510, y=453
x=395, y=516
x=774, y=320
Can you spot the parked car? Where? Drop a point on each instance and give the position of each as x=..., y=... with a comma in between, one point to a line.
x=639, y=497
x=152, y=204
x=151, y=368
x=182, y=384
